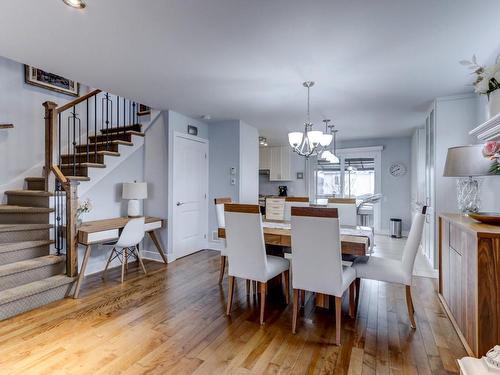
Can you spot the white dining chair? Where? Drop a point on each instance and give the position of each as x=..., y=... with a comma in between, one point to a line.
x=219, y=210
x=126, y=246
x=247, y=258
x=397, y=271
x=346, y=208
x=317, y=261
x=294, y=202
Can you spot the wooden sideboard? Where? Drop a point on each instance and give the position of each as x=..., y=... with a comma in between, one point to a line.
x=469, y=280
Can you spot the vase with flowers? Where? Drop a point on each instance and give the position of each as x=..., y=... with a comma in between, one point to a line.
x=491, y=150
x=83, y=208
x=487, y=82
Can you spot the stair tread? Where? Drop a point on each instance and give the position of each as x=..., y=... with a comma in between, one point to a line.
x=115, y=141
x=88, y=165
x=132, y=132
x=121, y=129
x=110, y=153
x=13, y=246
x=33, y=288
x=31, y=193
x=23, y=227
x=29, y=264
x=10, y=208
x=78, y=178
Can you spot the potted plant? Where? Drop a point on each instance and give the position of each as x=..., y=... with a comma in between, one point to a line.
x=487, y=82
x=491, y=150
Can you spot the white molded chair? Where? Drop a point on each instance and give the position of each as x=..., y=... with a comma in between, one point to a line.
x=346, y=208
x=294, y=202
x=317, y=259
x=247, y=252
x=397, y=271
x=219, y=210
x=126, y=246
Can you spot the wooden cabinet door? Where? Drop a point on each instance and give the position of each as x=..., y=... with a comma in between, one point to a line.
x=275, y=169
x=456, y=282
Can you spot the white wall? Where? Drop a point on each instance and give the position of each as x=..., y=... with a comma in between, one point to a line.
x=249, y=164
x=22, y=148
x=296, y=187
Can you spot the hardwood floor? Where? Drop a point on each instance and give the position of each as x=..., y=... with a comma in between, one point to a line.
x=173, y=321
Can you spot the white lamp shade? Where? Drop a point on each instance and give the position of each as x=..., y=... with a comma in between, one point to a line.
x=295, y=138
x=326, y=139
x=135, y=190
x=326, y=155
x=314, y=137
x=334, y=159
x=466, y=161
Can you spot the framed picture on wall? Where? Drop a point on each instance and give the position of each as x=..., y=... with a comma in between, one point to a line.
x=50, y=81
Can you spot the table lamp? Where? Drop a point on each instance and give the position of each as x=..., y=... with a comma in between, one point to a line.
x=134, y=191
x=467, y=162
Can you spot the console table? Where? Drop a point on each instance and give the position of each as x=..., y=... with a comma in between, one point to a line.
x=469, y=280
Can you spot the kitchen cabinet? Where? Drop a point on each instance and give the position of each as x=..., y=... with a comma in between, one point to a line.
x=276, y=159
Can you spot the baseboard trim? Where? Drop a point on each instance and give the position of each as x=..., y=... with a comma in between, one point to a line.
x=153, y=255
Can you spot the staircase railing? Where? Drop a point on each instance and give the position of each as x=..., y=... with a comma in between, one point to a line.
x=76, y=134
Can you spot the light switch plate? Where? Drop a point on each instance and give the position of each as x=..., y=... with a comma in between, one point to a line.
x=233, y=171
x=233, y=181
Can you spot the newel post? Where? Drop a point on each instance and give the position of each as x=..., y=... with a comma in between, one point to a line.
x=50, y=137
x=71, y=229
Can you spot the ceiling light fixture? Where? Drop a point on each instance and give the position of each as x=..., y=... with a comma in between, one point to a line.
x=330, y=155
x=263, y=141
x=309, y=142
x=78, y=4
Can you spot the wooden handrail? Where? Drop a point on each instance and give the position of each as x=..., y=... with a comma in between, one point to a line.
x=59, y=175
x=77, y=100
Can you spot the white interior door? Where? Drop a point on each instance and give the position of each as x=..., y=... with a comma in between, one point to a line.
x=190, y=191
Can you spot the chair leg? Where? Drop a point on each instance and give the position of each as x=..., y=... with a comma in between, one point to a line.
x=248, y=287
x=139, y=258
x=410, y=306
x=108, y=262
x=338, y=314
x=357, y=282
x=296, y=308
x=263, y=290
x=352, y=292
x=230, y=294
x=123, y=264
x=222, y=267
x=286, y=284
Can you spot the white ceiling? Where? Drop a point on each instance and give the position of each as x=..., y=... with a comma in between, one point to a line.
x=377, y=64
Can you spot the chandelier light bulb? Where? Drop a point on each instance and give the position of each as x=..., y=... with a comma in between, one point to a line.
x=295, y=138
x=326, y=139
x=314, y=137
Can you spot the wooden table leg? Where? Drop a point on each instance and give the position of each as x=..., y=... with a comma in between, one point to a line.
x=82, y=271
x=152, y=234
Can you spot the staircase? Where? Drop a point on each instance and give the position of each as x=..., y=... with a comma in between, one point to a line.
x=76, y=165
x=29, y=275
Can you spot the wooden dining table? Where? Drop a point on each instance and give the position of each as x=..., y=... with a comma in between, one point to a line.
x=354, y=241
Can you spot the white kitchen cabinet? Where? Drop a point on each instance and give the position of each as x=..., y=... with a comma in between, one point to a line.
x=276, y=159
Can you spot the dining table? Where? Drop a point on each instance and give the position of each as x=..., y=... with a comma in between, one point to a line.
x=355, y=241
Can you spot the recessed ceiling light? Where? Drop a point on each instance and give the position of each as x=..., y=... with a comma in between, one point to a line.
x=79, y=4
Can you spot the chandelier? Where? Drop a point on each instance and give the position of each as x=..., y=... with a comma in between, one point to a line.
x=309, y=142
x=330, y=155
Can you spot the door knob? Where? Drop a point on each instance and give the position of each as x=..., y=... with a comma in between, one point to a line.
x=180, y=203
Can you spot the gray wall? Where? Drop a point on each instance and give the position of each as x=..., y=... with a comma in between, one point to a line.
x=224, y=139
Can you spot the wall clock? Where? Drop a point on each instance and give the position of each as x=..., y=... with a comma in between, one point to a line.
x=397, y=169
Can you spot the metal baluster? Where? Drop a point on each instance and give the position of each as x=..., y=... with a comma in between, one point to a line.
x=95, y=129
x=60, y=136
x=117, y=113
x=134, y=114
x=124, y=119
x=88, y=146
x=107, y=120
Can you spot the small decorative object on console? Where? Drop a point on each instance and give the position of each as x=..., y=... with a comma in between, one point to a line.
x=83, y=208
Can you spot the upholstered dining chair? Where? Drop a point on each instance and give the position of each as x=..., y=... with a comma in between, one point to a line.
x=397, y=271
x=126, y=246
x=294, y=202
x=219, y=210
x=346, y=208
x=246, y=251
x=317, y=261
